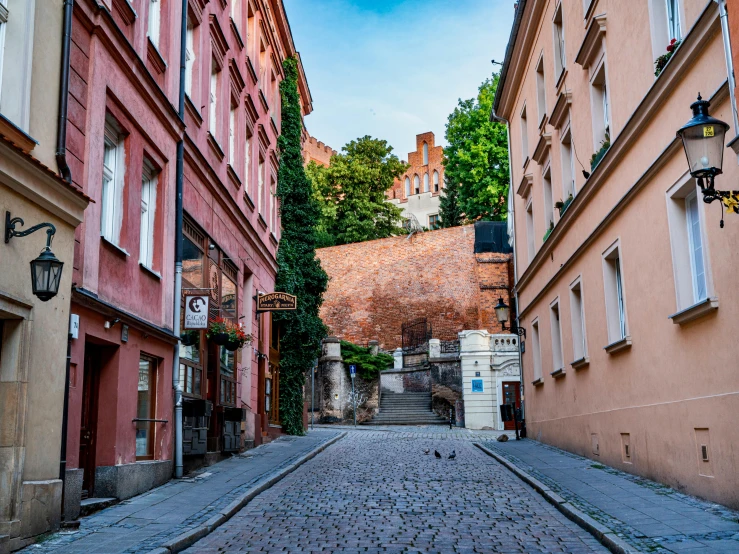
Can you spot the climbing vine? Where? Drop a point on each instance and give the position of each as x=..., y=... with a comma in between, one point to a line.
x=299, y=272
x=368, y=365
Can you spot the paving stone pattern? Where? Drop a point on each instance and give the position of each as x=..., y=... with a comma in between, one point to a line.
x=144, y=522
x=378, y=492
x=647, y=515
x=436, y=432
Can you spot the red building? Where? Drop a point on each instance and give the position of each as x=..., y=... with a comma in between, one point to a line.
x=123, y=132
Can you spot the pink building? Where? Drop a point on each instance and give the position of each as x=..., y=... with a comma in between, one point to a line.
x=625, y=281
x=123, y=131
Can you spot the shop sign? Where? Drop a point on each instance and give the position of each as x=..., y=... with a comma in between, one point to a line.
x=276, y=301
x=196, y=311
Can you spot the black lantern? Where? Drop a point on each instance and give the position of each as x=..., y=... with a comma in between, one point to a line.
x=502, y=312
x=46, y=270
x=703, y=140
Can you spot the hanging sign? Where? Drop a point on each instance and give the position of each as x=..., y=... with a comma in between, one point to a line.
x=196, y=311
x=276, y=301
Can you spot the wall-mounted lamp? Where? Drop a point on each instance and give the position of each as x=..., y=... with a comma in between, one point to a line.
x=111, y=323
x=46, y=270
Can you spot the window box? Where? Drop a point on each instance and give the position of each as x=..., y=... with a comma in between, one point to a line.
x=598, y=156
x=557, y=373
x=563, y=205
x=618, y=346
x=549, y=231
x=696, y=311
x=537, y=382
x=581, y=363
x=661, y=62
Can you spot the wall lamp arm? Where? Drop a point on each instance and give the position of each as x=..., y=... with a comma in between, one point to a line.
x=10, y=231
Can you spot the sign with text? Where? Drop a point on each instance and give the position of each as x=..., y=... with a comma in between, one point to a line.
x=477, y=385
x=196, y=311
x=276, y=301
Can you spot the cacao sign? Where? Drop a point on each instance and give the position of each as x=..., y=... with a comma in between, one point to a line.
x=196, y=311
x=276, y=301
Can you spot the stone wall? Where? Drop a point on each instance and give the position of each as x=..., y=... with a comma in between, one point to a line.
x=406, y=380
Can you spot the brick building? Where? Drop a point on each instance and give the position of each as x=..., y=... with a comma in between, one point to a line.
x=315, y=151
x=417, y=191
x=453, y=277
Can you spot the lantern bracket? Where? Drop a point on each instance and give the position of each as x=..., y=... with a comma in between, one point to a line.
x=10, y=231
x=709, y=192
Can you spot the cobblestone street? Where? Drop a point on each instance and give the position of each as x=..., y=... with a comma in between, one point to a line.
x=378, y=492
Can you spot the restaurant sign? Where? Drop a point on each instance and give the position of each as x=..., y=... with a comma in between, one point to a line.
x=276, y=301
x=196, y=311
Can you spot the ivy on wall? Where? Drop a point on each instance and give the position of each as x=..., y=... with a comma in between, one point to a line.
x=298, y=270
x=368, y=366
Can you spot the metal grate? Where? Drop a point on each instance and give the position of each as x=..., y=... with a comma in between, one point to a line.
x=449, y=346
x=415, y=333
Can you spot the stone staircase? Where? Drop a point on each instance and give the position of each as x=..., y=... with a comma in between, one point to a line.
x=407, y=408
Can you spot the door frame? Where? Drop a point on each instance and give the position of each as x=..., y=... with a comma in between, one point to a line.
x=90, y=396
x=510, y=425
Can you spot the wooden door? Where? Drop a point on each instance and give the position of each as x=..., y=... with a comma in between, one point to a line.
x=88, y=423
x=511, y=395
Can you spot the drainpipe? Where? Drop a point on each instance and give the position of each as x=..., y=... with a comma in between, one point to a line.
x=180, y=169
x=729, y=61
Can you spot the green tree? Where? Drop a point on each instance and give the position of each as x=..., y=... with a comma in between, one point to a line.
x=477, y=156
x=449, y=208
x=298, y=270
x=327, y=209
x=351, y=192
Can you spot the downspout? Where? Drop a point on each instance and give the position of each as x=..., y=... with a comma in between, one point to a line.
x=724, y=16
x=180, y=170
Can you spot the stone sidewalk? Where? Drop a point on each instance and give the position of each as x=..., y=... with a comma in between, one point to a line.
x=173, y=516
x=646, y=516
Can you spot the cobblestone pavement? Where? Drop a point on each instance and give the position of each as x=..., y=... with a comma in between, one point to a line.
x=649, y=516
x=376, y=491
x=145, y=522
x=426, y=431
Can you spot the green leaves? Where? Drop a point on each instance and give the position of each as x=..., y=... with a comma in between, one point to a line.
x=368, y=366
x=476, y=159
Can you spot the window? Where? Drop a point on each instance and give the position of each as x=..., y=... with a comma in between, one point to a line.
x=530, y=230
x=425, y=154
x=695, y=240
x=250, y=30
x=407, y=187
x=559, y=43
x=568, y=166
x=436, y=181
x=673, y=19
x=113, y=169
x=4, y=15
x=601, y=109
x=416, y=184
x=541, y=97
x=272, y=204
x=146, y=408
x=247, y=161
x=213, y=112
x=232, y=136
x=536, y=349
x=425, y=182
x=548, y=206
x=524, y=136
x=189, y=56
x=236, y=13
x=579, y=344
x=192, y=263
x=434, y=222
x=557, y=359
x=260, y=185
x=615, y=298
x=149, y=180
x=155, y=9
x=16, y=59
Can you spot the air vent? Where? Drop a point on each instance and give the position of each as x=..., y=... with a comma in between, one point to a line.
x=704, y=452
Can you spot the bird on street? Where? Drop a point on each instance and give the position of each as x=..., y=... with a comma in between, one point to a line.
x=436, y=453
x=426, y=450
x=453, y=455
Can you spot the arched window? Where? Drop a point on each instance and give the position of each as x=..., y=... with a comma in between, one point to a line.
x=425, y=154
x=436, y=181
x=416, y=184
x=425, y=182
x=407, y=187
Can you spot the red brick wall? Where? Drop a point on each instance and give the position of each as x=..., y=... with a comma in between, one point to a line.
x=417, y=167
x=314, y=150
x=377, y=285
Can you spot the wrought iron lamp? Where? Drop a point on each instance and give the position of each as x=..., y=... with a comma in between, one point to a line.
x=503, y=314
x=703, y=141
x=46, y=270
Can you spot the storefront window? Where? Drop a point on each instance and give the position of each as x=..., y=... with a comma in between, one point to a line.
x=190, y=378
x=191, y=351
x=228, y=297
x=192, y=263
x=228, y=362
x=146, y=409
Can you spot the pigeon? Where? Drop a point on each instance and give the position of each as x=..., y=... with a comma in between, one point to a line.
x=426, y=450
x=502, y=438
x=453, y=455
x=436, y=453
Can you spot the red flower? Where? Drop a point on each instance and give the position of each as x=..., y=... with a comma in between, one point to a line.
x=673, y=41
x=670, y=47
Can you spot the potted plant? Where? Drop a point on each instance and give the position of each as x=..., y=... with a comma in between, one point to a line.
x=218, y=331
x=562, y=206
x=237, y=338
x=661, y=62
x=189, y=338
x=598, y=156
x=549, y=231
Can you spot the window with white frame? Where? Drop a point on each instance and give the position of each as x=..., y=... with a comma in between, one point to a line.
x=577, y=313
x=260, y=185
x=407, y=187
x=425, y=154
x=560, y=62
x=272, y=204
x=16, y=60
x=189, y=56
x=568, y=166
x=672, y=9
x=149, y=180
x=232, y=137
x=524, y=136
x=687, y=237
x=113, y=175
x=614, y=291
x=425, y=182
x=557, y=358
x=530, y=230
x=4, y=17
x=436, y=181
x=416, y=184
x=247, y=161
x=155, y=14
x=548, y=206
x=541, y=95
x=236, y=13
x=666, y=23
x=213, y=111
x=601, y=108
x=536, y=349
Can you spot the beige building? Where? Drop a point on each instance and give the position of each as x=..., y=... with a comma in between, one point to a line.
x=627, y=290
x=33, y=333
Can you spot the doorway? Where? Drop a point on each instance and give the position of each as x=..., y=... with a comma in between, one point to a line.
x=511, y=395
x=88, y=417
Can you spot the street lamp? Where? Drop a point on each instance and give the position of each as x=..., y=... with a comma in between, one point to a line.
x=503, y=314
x=46, y=270
x=703, y=141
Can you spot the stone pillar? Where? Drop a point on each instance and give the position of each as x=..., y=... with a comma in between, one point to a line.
x=478, y=381
x=374, y=347
x=398, y=358
x=434, y=349
x=332, y=368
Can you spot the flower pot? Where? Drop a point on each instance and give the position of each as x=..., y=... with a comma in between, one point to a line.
x=232, y=345
x=219, y=338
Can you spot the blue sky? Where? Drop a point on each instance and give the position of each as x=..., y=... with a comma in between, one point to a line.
x=394, y=68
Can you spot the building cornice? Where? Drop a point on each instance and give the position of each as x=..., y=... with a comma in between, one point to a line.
x=594, y=37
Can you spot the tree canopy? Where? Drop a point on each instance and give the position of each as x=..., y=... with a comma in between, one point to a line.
x=351, y=193
x=477, y=158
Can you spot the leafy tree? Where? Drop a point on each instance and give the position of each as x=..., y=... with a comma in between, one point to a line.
x=327, y=209
x=351, y=192
x=368, y=366
x=298, y=270
x=449, y=208
x=477, y=156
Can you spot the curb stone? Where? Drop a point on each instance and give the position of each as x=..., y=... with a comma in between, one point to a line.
x=191, y=536
x=604, y=534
